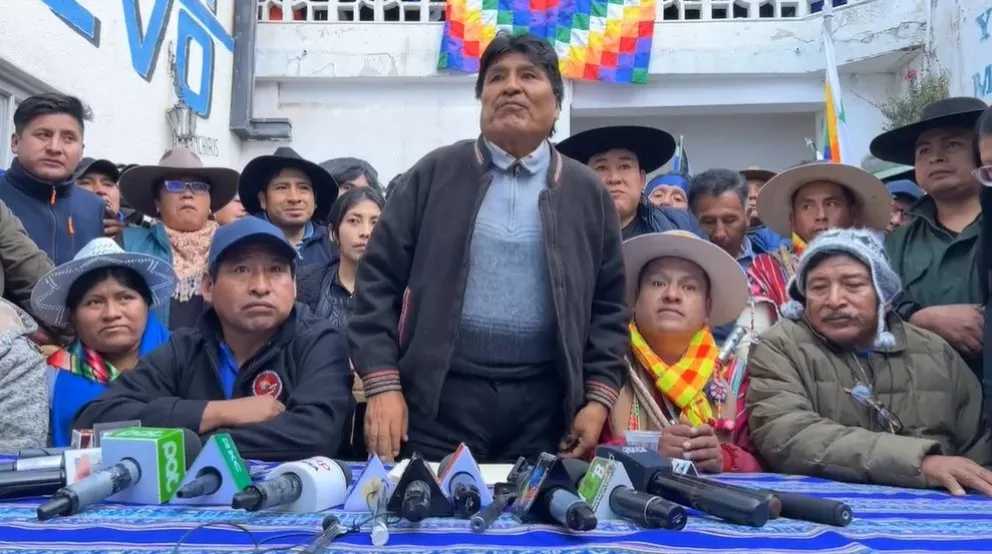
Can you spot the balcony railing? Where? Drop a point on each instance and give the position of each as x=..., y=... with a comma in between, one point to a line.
x=418, y=11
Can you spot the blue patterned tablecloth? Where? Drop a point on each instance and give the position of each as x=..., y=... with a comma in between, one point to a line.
x=886, y=520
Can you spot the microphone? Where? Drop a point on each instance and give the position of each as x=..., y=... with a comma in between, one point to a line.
x=207, y=482
x=49, y=461
x=504, y=495
x=37, y=453
x=462, y=490
x=607, y=480
x=311, y=485
x=17, y=484
x=774, y=504
x=812, y=509
x=730, y=344
x=376, y=500
x=129, y=455
x=332, y=529
x=418, y=493
x=652, y=473
x=548, y=494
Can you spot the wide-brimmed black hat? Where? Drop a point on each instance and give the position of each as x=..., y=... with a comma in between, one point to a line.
x=653, y=147
x=256, y=175
x=899, y=144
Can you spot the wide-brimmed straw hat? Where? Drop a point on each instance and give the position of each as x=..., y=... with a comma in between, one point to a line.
x=653, y=147
x=871, y=196
x=48, y=299
x=899, y=144
x=728, y=284
x=139, y=184
x=755, y=173
x=256, y=175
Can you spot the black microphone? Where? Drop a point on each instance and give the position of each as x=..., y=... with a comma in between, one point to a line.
x=39, y=452
x=774, y=504
x=416, y=501
x=462, y=491
x=812, y=509
x=46, y=459
x=207, y=482
x=547, y=493
x=646, y=510
x=332, y=529
x=503, y=495
x=18, y=484
x=650, y=472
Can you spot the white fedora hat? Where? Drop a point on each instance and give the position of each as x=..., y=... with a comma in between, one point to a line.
x=48, y=299
x=728, y=284
x=870, y=194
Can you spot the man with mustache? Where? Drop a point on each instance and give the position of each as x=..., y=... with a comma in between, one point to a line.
x=257, y=365
x=294, y=194
x=622, y=157
x=845, y=389
x=936, y=255
x=490, y=298
x=801, y=203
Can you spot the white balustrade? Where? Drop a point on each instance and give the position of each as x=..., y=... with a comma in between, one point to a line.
x=420, y=11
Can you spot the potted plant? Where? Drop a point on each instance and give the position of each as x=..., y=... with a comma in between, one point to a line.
x=921, y=90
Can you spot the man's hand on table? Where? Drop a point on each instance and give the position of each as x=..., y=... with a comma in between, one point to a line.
x=386, y=424
x=586, y=428
x=955, y=473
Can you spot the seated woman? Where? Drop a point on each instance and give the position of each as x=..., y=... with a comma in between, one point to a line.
x=105, y=295
x=679, y=286
x=327, y=288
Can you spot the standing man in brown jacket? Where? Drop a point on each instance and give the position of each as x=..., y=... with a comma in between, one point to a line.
x=844, y=389
x=490, y=299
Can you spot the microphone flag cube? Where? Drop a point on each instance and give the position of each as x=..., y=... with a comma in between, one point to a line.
x=220, y=454
x=603, y=476
x=161, y=455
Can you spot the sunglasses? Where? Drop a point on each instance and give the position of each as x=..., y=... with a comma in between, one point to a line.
x=863, y=394
x=178, y=187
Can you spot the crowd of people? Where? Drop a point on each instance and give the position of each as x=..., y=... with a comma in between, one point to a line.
x=512, y=294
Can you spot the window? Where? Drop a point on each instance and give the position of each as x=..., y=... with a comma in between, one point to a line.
x=6, y=126
x=15, y=85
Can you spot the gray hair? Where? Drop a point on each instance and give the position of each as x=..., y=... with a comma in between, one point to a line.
x=716, y=182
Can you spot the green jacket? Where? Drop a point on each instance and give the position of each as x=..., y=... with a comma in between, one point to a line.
x=937, y=267
x=22, y=263
x=803, y=422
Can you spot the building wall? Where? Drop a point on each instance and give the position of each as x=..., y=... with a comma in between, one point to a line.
x=963, y=44
x=128, y=60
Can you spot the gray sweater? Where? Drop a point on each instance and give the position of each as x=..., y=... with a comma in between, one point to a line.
x=23, y=389
x=508, y=327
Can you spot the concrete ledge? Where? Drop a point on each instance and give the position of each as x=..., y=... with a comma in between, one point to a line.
x=863, y=32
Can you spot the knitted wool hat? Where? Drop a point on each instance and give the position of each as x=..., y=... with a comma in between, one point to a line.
x=863, y=245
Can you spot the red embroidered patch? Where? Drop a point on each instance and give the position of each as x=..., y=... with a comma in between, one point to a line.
x=268, y=383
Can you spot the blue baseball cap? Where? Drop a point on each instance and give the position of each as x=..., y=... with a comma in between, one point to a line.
x=905, y=187
x=249, y=230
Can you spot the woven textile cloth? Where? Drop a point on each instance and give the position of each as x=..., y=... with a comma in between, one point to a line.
x=887, y=520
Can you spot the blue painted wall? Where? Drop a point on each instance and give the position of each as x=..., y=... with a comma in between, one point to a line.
x=196, y=23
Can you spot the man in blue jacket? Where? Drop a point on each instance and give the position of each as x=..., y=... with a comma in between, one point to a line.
x=622, y=156
x=38, y=188
x=294, y=194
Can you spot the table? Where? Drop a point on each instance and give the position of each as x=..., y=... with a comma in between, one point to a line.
x=886, y=520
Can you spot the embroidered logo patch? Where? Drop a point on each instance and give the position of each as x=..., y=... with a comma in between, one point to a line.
x=268, y=383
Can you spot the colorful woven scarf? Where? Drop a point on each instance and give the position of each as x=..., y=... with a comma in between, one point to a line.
x=84, y=361
x=684, y=383
x=798, y=245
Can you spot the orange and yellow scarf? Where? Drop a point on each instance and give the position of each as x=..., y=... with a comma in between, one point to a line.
x=798, y=245
x=683, y=383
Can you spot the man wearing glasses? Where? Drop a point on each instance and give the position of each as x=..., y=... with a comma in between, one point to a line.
x=844, y=389
x=936, y=254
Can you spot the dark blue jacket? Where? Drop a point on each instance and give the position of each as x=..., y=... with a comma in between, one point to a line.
x=318, y=249
x=658, y=219
x=764, y=240
x=60, y=228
